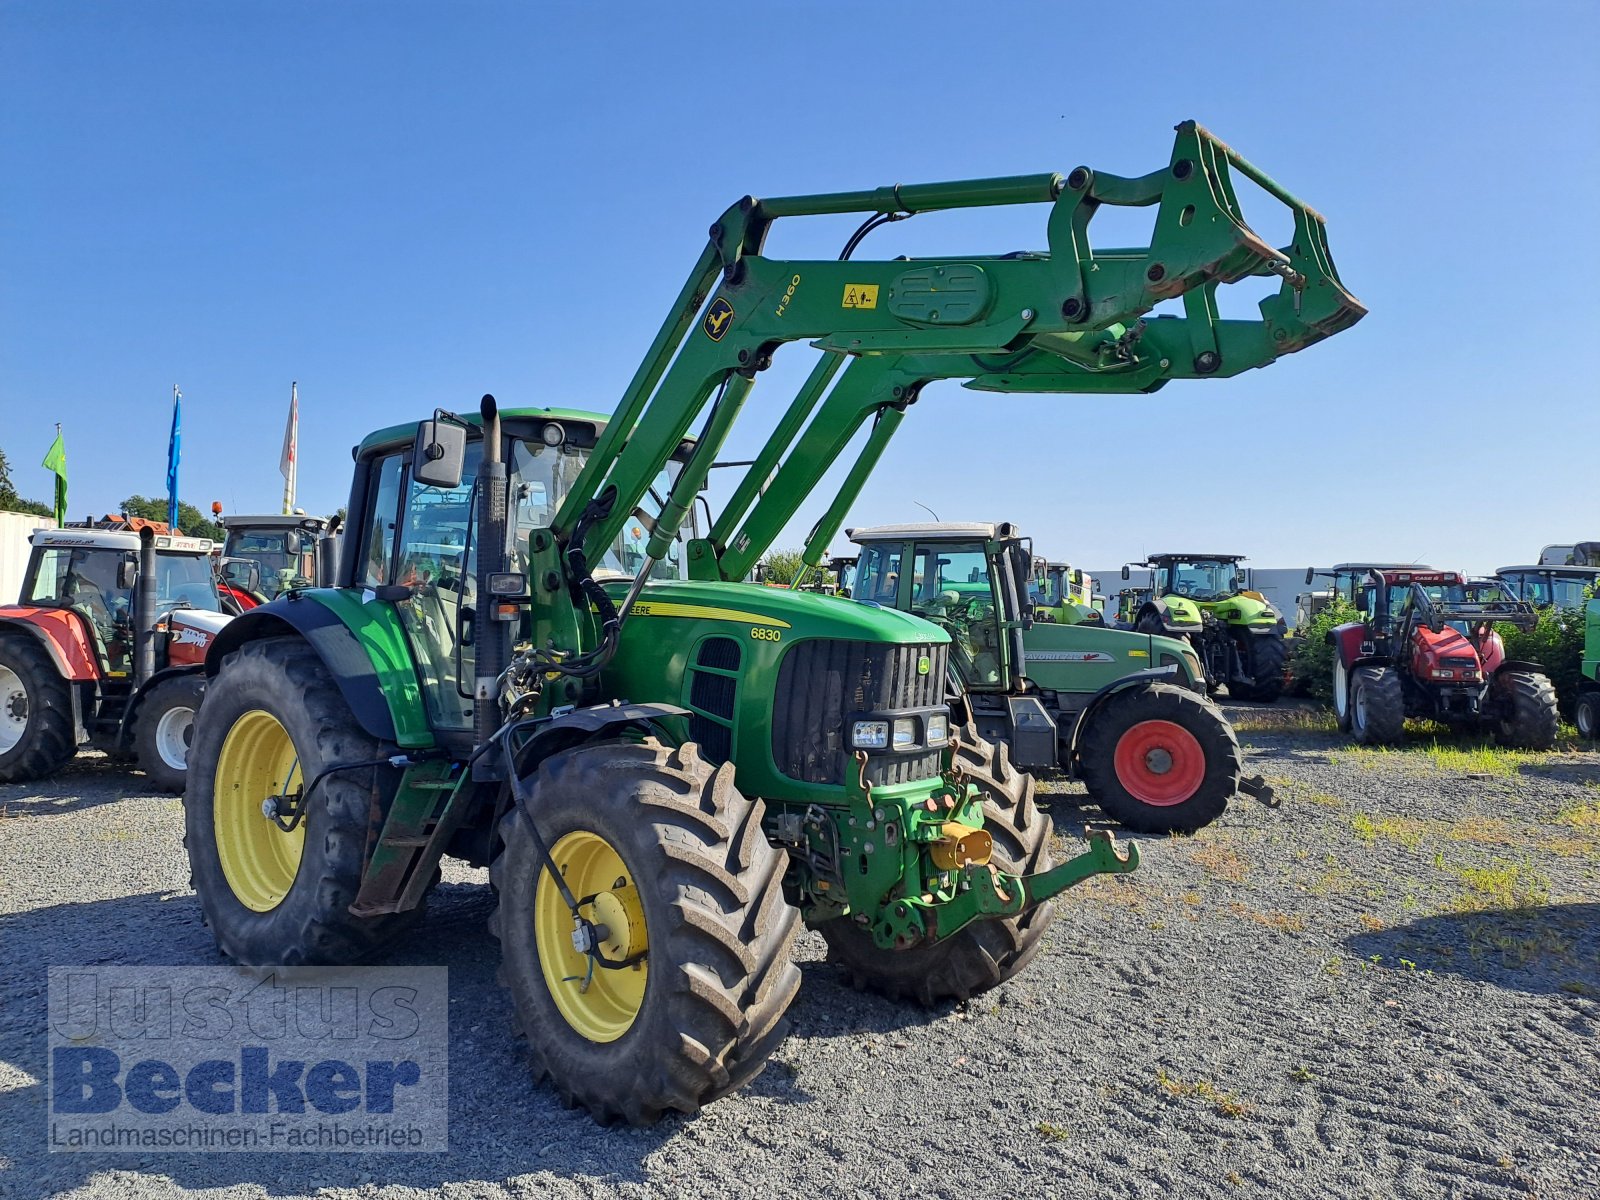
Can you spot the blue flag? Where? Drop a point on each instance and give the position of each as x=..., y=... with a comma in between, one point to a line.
x=172, y=460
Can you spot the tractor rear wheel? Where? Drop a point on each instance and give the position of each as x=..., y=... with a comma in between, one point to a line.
x=1586, y=715
x=669, y=862
x=1377, y=706
x=1262, y=656
x=272, y=722
x=36, y=734
x=163, y=728
x=1527, y=717
x=1160, y=759
x=984, y=953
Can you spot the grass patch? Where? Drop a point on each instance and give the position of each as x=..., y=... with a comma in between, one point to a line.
x=1503, y=886
x=1585, y=816
x=1053, y=1133
x=1576, y=987
x=1273, y=919
x=1285, y=720
x=1516, y=943
x=1406, y=831
x=1229, y=1104
x=1220, y=861
x=1371, y=923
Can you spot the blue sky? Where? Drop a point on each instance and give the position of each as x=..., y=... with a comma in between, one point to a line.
x=406, y=205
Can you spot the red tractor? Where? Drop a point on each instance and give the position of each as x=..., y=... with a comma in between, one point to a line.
x=1428, y=648
x=106, y=649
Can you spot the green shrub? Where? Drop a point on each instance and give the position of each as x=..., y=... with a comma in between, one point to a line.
x=1556, y=644
x=781, y=566
x=1313, y=656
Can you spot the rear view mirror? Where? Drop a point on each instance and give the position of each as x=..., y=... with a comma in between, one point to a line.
x=127, y=574
x=439, y=453
x=1311, y=574
x=1361, y=601
x=1125, y=574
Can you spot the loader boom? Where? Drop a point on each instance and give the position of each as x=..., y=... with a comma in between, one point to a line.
x=1062, y=320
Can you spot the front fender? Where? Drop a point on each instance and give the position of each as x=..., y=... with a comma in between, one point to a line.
x=1098, y=700
x=1346, y=642
x=363, y=647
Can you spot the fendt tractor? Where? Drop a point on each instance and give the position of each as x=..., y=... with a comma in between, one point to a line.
x=1237, y=632
x=105, y=649
x=265, y=556
x=667, y=775
x=1125, y=712
x=1428, y=648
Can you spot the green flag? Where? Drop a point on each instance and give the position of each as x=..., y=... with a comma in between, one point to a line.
x=55, y=460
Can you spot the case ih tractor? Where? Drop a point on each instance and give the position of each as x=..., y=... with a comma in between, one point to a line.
x=1237, y=632
x=1428, y=648
x=105, y=649
x=1124, y=712
x=265, y=556
x=666, y=776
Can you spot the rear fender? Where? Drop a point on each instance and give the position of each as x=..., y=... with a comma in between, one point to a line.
x=1098, y=701
x=62, y=634
x=361, y=645
x=1179, y=619
x=1517, y=664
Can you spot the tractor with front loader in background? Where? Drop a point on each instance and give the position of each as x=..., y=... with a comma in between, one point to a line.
x=1238, y=634
x=105, y=649
x=1427, y=647
x=1124, y=712
x=264, y=556
x=665, y=776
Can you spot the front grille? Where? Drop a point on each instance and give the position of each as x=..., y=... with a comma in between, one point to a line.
x=823, y=682
x=714, y=696
x=1458, y=660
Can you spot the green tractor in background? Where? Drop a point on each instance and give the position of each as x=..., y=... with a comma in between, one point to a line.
x=1586, y=710
x=666, y=776
x=1063, y=593
x=1238, y=634
x=1124, y=712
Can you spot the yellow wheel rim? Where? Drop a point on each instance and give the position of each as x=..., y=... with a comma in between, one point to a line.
x=601, y=1003
x=259, y=860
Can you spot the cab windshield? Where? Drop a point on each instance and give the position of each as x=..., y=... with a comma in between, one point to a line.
x=1547, y=590
x=1200, y=579
x=281, y=560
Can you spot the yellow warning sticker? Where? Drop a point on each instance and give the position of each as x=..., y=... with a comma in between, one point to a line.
x=860, y=295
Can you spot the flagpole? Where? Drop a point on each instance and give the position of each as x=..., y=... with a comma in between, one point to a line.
x=173, y=454
x=289, y=464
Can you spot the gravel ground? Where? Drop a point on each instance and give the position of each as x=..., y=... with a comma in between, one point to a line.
x=1388, y=986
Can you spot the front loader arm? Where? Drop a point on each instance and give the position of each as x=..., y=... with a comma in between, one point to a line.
x=1062, y=320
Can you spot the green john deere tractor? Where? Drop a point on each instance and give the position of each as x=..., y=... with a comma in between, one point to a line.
x=1586, y=710
x=667, y=775
x=1125, y=712
x=1238, y=634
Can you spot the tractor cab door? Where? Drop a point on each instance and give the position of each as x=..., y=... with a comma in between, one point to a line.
x=954, y=586
x=89, y=580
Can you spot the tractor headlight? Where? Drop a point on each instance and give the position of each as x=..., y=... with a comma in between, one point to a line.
x=869, y=735
x=905, y=733
x=938, y=730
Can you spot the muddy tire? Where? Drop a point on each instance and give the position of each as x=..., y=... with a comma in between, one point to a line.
x=673, y=861
x=36, y=733
x=163, y=728
x=1377, y=706
x=1586, y=715
x=273, y=719
x=1527, y=717
x=1160, y=759
x=1263, y=658
x=985, y=953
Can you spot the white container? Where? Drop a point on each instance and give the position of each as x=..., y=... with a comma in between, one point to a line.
x=14, y=548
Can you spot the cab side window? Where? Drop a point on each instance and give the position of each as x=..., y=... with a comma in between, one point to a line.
x=382, y=514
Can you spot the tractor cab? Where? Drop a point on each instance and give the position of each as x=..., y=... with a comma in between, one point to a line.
x=1064, y=593
x=1346, y=579
x=265, y=556
x=1550, y=586
x=1205, y=579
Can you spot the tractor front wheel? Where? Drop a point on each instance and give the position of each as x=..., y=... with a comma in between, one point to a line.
x=668, y=864
x=1262, y=657
x=984, y=953
x=1527, y=718
x=36, y=734
x=1341, y=693
x=1377, y=706
x=1586, y=715
x=272, y=723
x=1160, y=759
x=163, y=729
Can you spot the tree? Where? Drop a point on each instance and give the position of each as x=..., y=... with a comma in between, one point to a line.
x=781, y=566
x=10, y=501
x=190, y=519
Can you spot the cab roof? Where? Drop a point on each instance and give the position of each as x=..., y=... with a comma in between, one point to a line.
x=1381, y=566
x=276, y=521
x=404, y=434
x=118, y=539
x=934, y=531
x=1552, y=569
x=1197, y=557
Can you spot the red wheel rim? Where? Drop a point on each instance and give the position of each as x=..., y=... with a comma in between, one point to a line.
x=1160, y=763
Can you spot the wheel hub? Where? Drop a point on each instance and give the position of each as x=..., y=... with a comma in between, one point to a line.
x=13, y=709
x=1158, y=761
